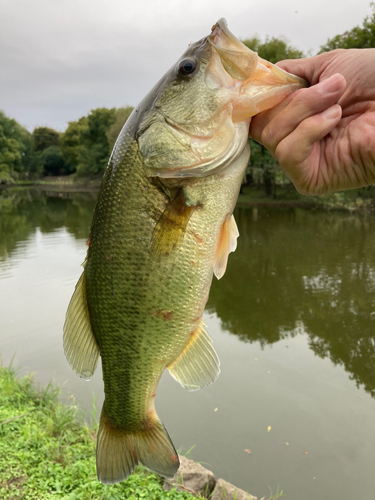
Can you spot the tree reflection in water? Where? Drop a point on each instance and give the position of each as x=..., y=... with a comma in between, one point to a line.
x=300, y=270
x=24, y=210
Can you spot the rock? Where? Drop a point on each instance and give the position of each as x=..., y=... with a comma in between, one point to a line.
x=193, y=477
x=227, y=491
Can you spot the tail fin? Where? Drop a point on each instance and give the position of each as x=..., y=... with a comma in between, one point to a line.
x=118, y=452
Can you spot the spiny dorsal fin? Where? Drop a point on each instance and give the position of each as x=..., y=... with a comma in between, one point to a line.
x=80, y=346
x=170, y=229
x=227, y=243
x=198, y=364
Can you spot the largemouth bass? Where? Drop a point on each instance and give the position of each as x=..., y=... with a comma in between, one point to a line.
x=162, y=226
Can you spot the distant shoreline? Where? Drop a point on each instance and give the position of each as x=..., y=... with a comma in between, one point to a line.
x=61, y=183
x=285, y=196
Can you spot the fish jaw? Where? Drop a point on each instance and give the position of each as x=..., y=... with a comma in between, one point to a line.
x=253, y=84
x=238, y=60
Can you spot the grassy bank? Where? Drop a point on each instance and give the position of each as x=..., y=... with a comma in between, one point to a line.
x=47, y=452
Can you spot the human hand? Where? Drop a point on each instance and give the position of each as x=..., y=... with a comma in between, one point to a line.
x=324, y=136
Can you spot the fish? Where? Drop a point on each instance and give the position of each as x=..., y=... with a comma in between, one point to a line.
x=163, y=225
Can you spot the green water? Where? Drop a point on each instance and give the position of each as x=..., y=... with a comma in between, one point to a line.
x=293, y=321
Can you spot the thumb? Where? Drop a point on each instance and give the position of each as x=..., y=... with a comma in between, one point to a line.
x=304, y=67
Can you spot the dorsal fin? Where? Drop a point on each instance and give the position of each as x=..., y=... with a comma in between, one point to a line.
x=198, y=364
x=170, y=229
x=80, y=346
x=227, y=243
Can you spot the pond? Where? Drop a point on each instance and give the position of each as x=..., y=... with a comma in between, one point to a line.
x=293, y=322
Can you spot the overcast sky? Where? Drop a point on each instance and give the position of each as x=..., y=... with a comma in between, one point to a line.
x=61, y=58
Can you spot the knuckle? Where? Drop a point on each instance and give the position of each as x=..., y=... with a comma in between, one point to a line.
x=336, y=52
x=267, y=137
x=283, y=155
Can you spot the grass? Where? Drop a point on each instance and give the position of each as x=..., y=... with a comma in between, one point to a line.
x=47, y=452
x=277, y=495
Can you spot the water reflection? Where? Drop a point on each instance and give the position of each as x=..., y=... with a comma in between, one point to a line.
x=22, y=210
x=295, y=267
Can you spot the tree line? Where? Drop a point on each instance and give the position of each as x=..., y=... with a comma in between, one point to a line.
x=85, y=146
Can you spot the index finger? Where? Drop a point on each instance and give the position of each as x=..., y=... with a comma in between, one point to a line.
x=274, y=127
x=260, y=121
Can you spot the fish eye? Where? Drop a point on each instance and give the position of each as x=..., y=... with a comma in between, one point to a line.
x=187, y=67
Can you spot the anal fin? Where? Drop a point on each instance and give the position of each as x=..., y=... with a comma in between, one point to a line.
x=80, y=346
x=227, y=243
x=198, y=364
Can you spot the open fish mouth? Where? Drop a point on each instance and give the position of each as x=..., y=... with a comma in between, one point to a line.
x=242, y=63
x=260, y=84
x=238, y=60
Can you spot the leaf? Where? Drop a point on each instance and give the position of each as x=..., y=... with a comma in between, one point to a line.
x=269, y=428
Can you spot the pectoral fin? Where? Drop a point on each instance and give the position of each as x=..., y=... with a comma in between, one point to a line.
x=170, y=229
x=80, y=346
x=227, y=243
x=198, y=364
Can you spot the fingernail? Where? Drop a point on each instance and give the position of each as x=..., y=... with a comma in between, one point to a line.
x=332, y=84
x=331, y=113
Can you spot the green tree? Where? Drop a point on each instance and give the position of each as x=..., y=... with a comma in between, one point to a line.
x=44, y=137
x=16, y=150
x=94, y=153
x=52, y=161
x=49, y=158
x=32, y=167
x=122, y=114
x=360, y=37
x=10, y=148
x=261, y=169
x=87, y=143
x=273, y=49
x=71, y=143
x=10, y=154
